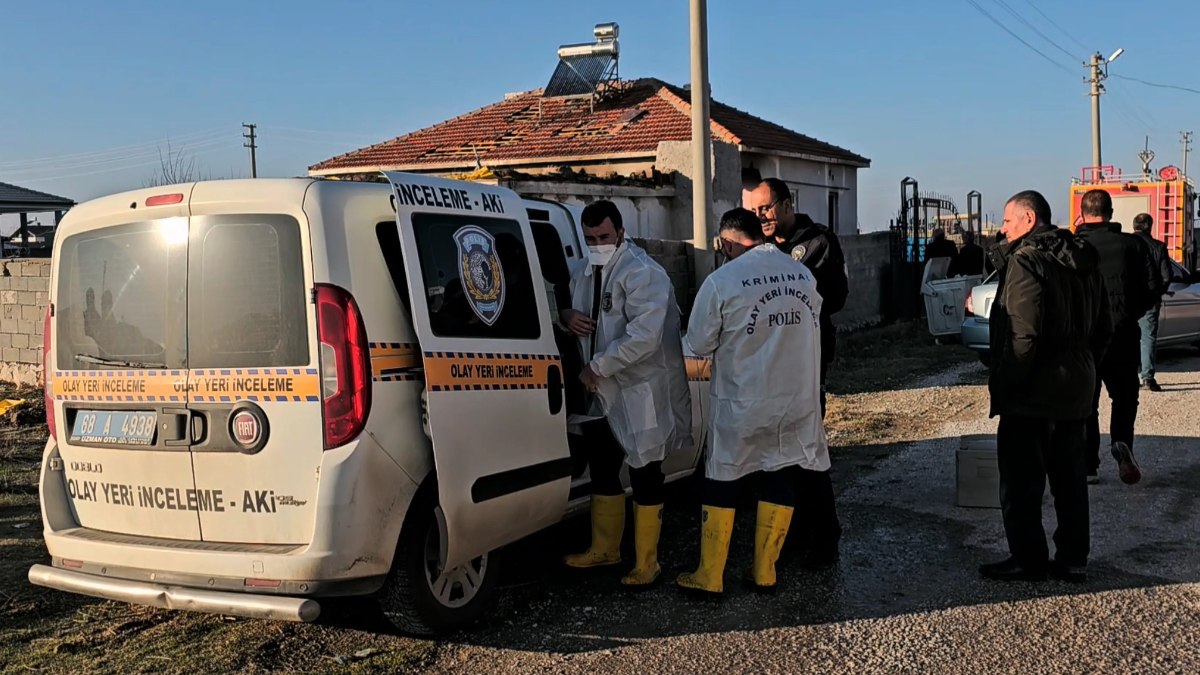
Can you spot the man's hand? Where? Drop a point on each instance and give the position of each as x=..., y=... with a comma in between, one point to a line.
x=577, y=322
x=591, y=381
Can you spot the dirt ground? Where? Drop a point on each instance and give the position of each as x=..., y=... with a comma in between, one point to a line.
x=872, y=414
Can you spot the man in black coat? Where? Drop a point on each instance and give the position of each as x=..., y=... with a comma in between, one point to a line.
x=1124, y=265
x=969, y=261
x=1049, y=325
x=1161, y=278
x=819, y=249
x=940, y=247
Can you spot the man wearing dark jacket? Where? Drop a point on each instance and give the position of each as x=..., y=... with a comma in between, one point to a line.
x=970, y=257
x=819, y=249
x=1124, y=265
x=1161, y=278
x=1049, y=326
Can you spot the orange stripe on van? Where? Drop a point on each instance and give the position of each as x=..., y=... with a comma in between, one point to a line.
x=463, y=371
x=390, y=360
x=120, y=386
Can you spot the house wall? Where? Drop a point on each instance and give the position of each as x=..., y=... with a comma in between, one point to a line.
x=811, y=183
x=24, y=294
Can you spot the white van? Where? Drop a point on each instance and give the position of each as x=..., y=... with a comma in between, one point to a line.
x=262, y=392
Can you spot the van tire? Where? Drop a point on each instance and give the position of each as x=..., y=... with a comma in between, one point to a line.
x=407, y=598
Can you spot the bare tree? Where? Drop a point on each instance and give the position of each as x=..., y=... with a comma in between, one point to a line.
x=175, y=166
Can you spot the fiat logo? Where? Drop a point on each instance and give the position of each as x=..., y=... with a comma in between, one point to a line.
x=245, y=429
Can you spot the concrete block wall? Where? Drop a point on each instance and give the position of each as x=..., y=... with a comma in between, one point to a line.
x=676, y=258
x=24, y=294
x=868, y=268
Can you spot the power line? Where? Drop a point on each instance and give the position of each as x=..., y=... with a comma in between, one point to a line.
x=118, y=151
x=1019, y=38
x=1157, y=84
x=113, y=169
x=1034, y=28
x=114, y=161
x=1052, y=23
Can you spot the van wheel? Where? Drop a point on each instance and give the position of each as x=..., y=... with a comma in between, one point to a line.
x=420, y=598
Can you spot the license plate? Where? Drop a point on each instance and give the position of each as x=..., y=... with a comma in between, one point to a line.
x=114, y=427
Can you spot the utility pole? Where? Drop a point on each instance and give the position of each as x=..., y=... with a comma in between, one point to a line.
x=1096, y=77
x=253, y=159
x=701, y=139
x=1098, y=67
x=1186, y=140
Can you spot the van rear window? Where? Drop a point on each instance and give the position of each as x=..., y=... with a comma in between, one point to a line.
x=247, y=298
x=120, y=297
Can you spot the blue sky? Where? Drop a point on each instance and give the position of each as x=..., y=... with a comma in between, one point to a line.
x=933, y=90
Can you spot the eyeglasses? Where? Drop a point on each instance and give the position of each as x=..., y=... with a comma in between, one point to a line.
x=761, y=211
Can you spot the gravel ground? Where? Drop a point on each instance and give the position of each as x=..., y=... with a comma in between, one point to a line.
x=905, y=596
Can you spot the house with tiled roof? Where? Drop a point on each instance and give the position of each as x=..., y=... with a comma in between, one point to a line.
x=631, y=143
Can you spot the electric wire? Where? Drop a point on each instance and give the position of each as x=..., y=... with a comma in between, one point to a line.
x=1020, y=39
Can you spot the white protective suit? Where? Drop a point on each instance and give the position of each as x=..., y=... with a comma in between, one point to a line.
x=638, y=354
x=758, y=316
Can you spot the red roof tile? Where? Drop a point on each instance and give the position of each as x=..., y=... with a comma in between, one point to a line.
x=529, y=127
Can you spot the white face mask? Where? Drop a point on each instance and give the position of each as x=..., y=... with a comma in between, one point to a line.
x=601, y=255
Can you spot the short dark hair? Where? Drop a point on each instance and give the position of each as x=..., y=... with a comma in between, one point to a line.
x=1034, y=201
x=743, y=222
x=1142, y=222
x=595, y=213
x=779, y=189
x=1096, y=204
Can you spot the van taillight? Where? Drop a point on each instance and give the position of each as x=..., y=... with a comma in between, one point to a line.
x=345, y=365
x=47, y=378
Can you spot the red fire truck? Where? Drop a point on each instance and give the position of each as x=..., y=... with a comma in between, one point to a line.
x=1168, y=196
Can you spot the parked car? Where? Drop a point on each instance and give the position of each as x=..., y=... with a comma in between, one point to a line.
x=1179, y=323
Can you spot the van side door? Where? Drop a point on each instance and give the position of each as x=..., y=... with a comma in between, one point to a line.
x=495, y=410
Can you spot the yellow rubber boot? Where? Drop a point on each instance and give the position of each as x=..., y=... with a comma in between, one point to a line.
x=715, y=532
x=771, y=530
x=647, y=524
x=608, y=524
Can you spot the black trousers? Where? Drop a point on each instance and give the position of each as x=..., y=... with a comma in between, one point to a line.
x=1029, y=450
x=820, y=527
x=776, y=487
x=1118, y=372
x=605, y=457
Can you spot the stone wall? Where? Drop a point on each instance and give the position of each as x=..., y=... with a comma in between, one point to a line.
x=24, y=293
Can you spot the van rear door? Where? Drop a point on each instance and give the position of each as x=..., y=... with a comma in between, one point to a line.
x=493, y=378
x=253, y=359
x=116, y=366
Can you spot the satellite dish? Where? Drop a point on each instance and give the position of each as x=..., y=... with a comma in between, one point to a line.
x=1169, y=173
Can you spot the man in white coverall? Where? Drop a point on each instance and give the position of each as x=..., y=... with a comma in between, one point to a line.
x=627, y=321
x=759, y=317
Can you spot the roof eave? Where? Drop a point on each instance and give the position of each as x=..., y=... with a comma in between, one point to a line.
x=859, y=163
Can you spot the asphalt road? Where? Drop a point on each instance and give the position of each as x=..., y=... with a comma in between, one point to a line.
x=906, y=596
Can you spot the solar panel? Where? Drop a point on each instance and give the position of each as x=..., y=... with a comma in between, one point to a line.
x=578, y=75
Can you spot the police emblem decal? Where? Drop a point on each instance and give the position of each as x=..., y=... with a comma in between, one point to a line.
x=481, y=273
x=798, y=252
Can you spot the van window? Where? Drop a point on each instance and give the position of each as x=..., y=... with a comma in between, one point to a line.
x=247, y=293
x=120, y=297
x=467, y=293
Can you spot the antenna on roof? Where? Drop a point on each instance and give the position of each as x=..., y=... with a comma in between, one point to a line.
x=585, y=69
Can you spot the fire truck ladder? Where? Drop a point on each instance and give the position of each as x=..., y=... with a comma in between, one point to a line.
x=1169, y=225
